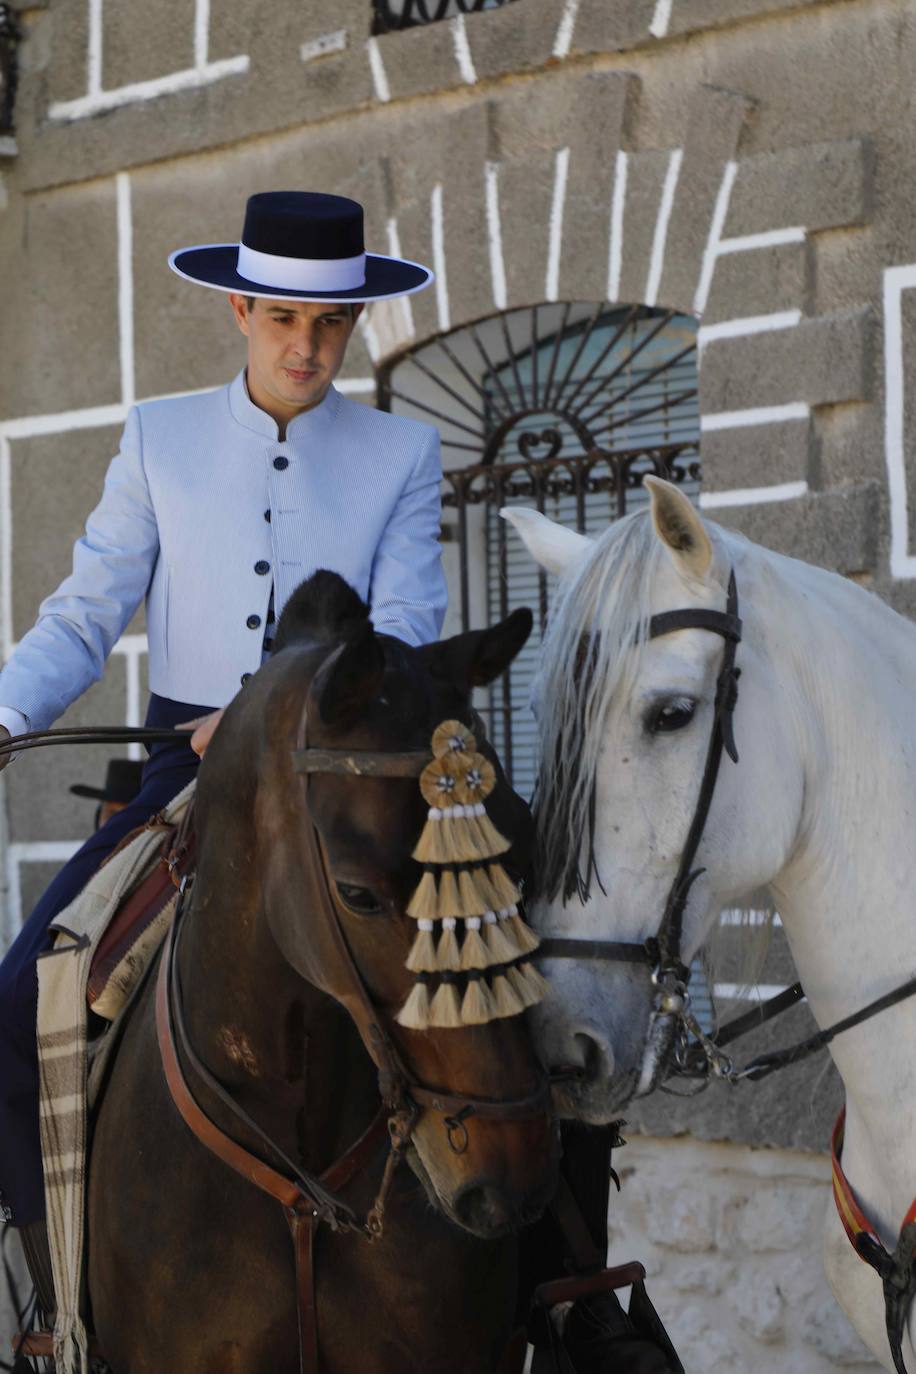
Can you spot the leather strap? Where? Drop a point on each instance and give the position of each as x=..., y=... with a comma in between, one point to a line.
x=361, y=763
x=557, y=947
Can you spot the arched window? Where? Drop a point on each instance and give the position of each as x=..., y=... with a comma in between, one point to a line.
x=407, y=14
x=564, y=407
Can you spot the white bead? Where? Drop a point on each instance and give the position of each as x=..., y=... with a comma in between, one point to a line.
x=449, y=923
x=490, y=917
x=434, y=814
x=472, y=922
x=424, y=923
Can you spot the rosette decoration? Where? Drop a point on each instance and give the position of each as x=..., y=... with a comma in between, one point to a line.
x=472, y=952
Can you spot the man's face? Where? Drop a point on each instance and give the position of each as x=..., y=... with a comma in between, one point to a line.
x=295, y=350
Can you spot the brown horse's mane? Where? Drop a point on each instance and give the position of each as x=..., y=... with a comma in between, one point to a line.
x=324, y=607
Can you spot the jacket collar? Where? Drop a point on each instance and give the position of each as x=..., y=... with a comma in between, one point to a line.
x=309, y=426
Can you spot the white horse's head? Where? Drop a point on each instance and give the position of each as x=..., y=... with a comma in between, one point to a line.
x=625, y=722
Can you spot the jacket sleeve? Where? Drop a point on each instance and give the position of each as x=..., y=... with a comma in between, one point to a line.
x=77, y=626
x=408, y=594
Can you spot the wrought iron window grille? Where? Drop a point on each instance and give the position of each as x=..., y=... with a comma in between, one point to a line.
x=393, y=15
x=10, y=35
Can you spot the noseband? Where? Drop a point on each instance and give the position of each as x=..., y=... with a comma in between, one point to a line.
x=662, y=952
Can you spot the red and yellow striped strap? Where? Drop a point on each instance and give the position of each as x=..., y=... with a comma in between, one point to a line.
x=855, y=1222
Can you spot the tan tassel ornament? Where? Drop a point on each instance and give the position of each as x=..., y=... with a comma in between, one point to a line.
x=471, y=952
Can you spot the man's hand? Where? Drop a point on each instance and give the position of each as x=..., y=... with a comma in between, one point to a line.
x=4, y=736
x=204, y=728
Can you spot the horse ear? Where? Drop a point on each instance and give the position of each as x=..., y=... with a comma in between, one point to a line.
x=551, y=545
x=680, y=528
x=352, y=677
x=476, y=658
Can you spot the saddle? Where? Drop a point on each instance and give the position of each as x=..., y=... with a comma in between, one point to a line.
x=140, y=923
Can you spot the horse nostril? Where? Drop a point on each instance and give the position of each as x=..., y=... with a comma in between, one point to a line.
x=597, y=1056
x=483, y=1209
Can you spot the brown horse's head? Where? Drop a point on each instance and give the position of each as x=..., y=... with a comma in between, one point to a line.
x=334, y=684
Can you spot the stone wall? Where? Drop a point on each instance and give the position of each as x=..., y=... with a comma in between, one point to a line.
x=730, y=1238
x=749, y=162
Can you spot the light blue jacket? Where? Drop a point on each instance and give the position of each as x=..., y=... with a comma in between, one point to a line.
x=203, y=509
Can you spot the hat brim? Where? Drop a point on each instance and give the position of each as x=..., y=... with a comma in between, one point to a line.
x=215, y=265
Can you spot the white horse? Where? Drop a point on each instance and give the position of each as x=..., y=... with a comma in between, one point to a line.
x=820, y=811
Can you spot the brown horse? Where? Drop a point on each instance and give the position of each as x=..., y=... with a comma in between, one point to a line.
x=190, y=1267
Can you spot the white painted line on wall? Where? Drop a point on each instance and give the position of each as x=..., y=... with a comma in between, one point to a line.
x=93, y=417
x=753, y=496
x=141, y=91
x=370, y=337
x=126, y=288
x=557, y=207
x=438, y=237
x=740, y=992
x=201, y=33
x=618, y=203
x=770, y=238
x=94, y=48
x=6, y=550
x=657, y=262
x=132, y=711
x=377, y=68
x=661, y=19
x=463, y=50
x=321, y=47
x=717, y=224
x=565, y=30
x=896, y=281
x=750, y=324
x=394, y=248
x=495, y=236
x=349, y=386
x=756, y=415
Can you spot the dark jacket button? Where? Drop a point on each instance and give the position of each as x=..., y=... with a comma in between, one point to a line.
x=281, y=463
x=262, y=567
x=245, y=677
x=267, y=516
x=253, y=622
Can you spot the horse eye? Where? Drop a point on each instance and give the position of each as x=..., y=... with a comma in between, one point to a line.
x=670, y=715
x=359, y=899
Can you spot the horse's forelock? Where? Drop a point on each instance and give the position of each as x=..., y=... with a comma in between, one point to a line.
x=591, y=649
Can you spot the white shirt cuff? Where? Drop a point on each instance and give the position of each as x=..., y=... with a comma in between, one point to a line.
x=15, y=722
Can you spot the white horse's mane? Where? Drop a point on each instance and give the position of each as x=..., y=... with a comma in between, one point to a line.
x=601, y=612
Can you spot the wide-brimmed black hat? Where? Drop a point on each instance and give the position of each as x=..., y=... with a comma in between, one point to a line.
x=122, y=783
x=304, y=246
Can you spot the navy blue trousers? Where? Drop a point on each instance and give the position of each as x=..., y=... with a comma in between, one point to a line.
x=169, y=768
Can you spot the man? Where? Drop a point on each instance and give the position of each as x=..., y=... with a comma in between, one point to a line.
x=214, y=510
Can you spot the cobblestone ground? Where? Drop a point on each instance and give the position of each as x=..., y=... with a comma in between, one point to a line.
x=731, y=1240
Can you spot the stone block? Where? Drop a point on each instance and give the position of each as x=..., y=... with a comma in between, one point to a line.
x=848, y=446
x=715, y=120
x=272, y=32
x=686, y=1223
x=34, y=877
x=702, y=1345
x=53, y=315
x=39, y=800
x=421, y=60
x=56, y=480
x=821, y=186
x=141, y=42
x=508, y=40
x=820, y=361
x=67, y=73
x=759, y=283
x=778, y=1219
x=755, y=456
x=692, y=16
x=837, y=529
x=760, y=1309
x=827, y=1331
x=645, y=181
x=601, y=27
x=525, y=200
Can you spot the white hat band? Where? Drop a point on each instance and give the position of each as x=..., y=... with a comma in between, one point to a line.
x=302, y=274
